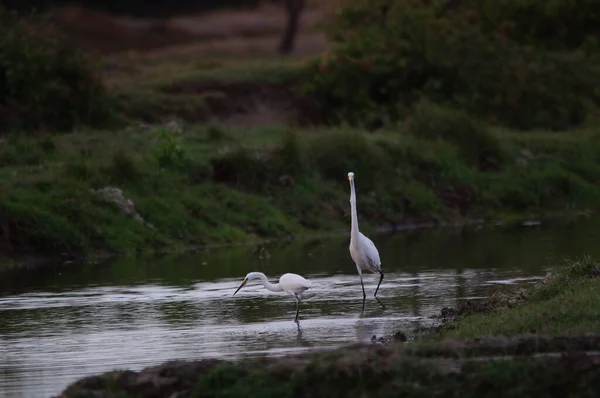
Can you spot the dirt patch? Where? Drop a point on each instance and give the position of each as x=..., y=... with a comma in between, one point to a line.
x=252, y=103
x=234, y=104
x=97, y=31
x=215, y=33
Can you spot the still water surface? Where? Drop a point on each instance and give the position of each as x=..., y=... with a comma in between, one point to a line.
x=58, y=325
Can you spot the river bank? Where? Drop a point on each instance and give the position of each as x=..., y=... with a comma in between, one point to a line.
x=561, y=311
x=147, y=188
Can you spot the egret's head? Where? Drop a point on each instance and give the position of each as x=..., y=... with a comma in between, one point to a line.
x=249, y=277
x=350, y=176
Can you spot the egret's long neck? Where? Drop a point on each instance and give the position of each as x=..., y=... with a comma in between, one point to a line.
x=354, y=229
x=268, y=285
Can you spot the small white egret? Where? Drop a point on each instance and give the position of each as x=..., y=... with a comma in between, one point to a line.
x=289, y=283
x=362, y=249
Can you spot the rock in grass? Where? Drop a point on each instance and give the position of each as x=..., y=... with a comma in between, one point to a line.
x=115, y=195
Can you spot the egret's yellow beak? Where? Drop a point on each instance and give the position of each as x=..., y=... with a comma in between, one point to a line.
x=350, y=176
x=241, y=286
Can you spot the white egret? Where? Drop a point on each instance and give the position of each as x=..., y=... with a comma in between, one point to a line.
x=362, y=249
x=289, y=283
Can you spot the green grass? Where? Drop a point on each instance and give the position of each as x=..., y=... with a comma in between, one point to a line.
x=568, y=302
x=209, y=184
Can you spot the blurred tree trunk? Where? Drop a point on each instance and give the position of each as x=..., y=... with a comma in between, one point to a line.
x=293, y=10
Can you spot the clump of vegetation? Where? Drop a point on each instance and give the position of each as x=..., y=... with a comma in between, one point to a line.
x=256, y=170
x=168, y=151
x=124, y=169
x=247, y=168
x=475, y=142
x=336, y=153
x=385, y=57
x=46, y=83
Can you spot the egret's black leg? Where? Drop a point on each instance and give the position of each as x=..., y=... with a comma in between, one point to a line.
x=297, y=309
x=380, y=279
x=363, y=288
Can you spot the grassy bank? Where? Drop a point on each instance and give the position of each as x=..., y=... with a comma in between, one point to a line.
x=194, y=184
x=199, y=185
x=567, y=302
x=564, y=305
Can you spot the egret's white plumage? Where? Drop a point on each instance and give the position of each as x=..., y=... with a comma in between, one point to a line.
x=362, y=249
x=290, y=283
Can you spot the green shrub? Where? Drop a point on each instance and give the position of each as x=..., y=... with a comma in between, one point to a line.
x=290, y=158
x=381, y=63
x=45, y=83
x=254, y=169
x=199, y=172
x=540, y=185
x=476, y=144
x=336, y=153
x=243, y=167
x=168, y=151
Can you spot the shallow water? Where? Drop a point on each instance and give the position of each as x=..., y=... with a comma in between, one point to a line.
x=60, y=324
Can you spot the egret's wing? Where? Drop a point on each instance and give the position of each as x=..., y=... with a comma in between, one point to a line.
x=293, y=280
x=370, y=250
